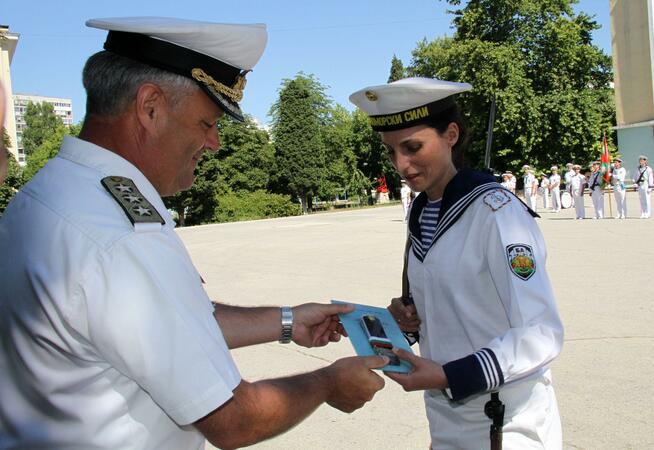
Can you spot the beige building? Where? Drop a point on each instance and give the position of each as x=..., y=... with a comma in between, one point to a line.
x=8, y=43
x=63, y=108
x=632, y=31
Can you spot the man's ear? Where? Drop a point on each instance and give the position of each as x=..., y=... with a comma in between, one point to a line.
x=150, y=106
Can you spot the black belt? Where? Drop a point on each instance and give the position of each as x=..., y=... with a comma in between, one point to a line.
x=494, y=410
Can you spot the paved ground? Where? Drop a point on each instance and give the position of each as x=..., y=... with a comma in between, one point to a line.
x=600, y=269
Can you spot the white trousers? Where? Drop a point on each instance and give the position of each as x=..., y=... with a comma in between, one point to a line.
x=405, y=206
x=556, y=199
x=580, y=213
x=531, y=419
x=530, y=199
x=621, y=203
x=546, y=198
x=598, y=203
x=645, y=202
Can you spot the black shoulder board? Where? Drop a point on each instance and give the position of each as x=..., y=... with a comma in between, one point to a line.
x=137, y=207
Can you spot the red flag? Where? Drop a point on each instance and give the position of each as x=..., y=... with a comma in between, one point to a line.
x=606, y=162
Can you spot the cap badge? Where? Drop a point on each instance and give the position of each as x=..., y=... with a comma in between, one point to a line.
x=234, y=93
x=370, y=95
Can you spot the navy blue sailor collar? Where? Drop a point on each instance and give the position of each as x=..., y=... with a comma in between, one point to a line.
x=459, y=193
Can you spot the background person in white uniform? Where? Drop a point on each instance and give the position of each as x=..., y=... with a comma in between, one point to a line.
x=109, y=339
x=577, y=185
x=618, y=175
x=595, y=187
x=406, y=195
x=555, y=188
x=644, y=181
x=530, y=186
x=484, y=308
x=545, y=191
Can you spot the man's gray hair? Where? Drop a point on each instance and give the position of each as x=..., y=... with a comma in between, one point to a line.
x=111, y=82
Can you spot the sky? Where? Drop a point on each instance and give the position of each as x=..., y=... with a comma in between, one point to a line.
x=345, y=44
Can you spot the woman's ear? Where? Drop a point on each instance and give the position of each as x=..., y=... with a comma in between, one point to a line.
x=452, y=133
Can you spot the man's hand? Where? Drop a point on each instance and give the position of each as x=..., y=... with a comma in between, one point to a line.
x=425, y=373
x=315, y=325
x=406, y=316
x=354, y=383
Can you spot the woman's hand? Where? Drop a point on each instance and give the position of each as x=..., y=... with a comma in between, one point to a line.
x=406, y=316
x=425, y=374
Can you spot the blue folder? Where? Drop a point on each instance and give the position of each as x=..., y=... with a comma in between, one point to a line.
x=352, y=324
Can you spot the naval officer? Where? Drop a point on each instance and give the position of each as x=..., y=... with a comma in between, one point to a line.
x=644, y=181
x=109, y=338
x=478, y=292
x=595, y=188
x=618, y=175
x=555, y=188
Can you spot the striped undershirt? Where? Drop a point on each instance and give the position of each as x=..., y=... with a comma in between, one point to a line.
x=428, y=222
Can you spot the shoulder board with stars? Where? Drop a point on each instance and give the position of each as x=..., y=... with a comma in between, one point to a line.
x=497, y=198
x=135, y=205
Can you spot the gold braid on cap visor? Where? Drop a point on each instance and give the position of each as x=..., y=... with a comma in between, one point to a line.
x=234, y=93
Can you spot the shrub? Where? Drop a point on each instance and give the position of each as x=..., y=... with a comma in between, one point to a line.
x=259, y=204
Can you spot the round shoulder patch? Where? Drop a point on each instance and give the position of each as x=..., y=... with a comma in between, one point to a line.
x=521, y=260
x=496, y=199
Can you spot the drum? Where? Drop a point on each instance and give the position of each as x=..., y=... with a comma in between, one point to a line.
x=566, y=199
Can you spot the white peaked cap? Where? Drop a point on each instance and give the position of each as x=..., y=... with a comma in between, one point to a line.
x=404, y=103
x=215, y=55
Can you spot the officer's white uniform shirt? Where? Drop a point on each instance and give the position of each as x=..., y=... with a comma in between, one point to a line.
x=109, y=338
x=490, y=327
x=618, y=176
x=568, y=177
x=577, y=184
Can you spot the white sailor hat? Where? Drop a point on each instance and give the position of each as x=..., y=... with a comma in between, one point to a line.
x=406, y=102
x=526, y=167
x=617, y=160
x=216, y=55
x=554, y=168
x=643, y=157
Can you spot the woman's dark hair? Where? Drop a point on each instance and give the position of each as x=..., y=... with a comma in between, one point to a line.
x=441, y=121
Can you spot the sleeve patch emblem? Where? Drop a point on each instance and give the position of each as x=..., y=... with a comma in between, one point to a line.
x=496, y=199
x=521, y=260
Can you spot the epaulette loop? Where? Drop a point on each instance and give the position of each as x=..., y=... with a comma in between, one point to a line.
x=138, y=209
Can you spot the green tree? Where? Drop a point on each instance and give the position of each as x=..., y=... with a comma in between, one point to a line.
x=244, y=163
x=47, y=150
x=13, y=181
x=397, y=70
x=298, y=117
x=341, y=160
x=537, y=58
x=41, y=123
x=372, y=158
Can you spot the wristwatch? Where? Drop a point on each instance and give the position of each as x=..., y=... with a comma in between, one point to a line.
x=287, y=325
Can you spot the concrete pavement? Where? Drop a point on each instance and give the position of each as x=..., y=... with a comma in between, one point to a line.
x=600, y=270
